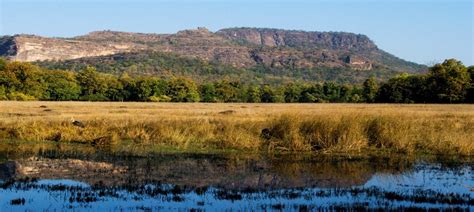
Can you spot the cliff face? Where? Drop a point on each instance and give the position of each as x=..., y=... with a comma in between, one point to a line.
x=35, y=48
x=299, y=39
x=239, y=47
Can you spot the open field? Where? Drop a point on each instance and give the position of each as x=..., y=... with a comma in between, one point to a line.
x=437, y=129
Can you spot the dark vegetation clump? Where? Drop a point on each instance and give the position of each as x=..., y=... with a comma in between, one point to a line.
x=19, y=201
x=227, y=112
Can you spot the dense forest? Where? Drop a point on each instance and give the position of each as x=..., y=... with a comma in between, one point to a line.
x=448, y=82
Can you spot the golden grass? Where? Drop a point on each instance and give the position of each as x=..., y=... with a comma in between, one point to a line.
x=439, y=129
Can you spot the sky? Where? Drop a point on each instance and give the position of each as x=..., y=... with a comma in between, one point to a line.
x=422, y=31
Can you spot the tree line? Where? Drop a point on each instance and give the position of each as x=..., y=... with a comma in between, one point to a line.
x=448, y=82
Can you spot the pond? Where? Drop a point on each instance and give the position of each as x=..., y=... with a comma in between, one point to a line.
x=47, y=180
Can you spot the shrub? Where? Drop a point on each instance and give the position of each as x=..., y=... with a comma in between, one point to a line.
x=18, y=96
x=161, y=98
x=3, y=93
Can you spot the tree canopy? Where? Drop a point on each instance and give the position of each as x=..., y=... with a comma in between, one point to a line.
x=448, y=82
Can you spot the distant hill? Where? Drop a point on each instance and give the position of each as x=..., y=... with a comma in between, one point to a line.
x=255, y=54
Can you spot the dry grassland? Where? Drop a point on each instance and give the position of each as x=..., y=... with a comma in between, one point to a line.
x=435, y=129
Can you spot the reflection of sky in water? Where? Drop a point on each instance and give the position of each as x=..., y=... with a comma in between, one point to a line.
x=424, y=177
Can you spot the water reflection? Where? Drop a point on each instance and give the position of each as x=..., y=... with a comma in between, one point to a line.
x=49, y=180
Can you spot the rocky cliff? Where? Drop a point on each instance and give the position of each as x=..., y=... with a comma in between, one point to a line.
x=238, y=47
x=35, y=48
x=299, y=39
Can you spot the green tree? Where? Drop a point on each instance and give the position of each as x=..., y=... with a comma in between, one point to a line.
x=332, y=91
x=271, y=95
x=23, y=78
x=404, y=88
x=449, y=81
x=183, y=90
x=267, y=95
x=470, y=90
x=115, y=88
x=208, y=92
x=292, y=92
x=146, y=87
x=370, y=88
x=228, y=91
x=142, y=88
x=345, y=94
x=128, y=84
x=93, y=85
x=62, y=85
x=312, y=93
x=253, y=94
x=9, y=80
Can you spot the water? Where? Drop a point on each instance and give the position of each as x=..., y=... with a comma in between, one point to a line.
x=100, y=182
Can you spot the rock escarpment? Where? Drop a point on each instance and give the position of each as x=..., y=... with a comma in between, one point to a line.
x=35, y=48
x=238, y=47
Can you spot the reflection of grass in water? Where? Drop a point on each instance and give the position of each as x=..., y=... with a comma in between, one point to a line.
x=246, y=172
x=344, y=173
x=11, y=149
x=177, y=193
x=299, y=167
x=18, y=201
x=283, y=170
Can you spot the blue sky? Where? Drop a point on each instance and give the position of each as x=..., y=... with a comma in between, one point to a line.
x=423, y=31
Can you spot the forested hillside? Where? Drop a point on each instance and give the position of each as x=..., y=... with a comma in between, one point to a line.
x=161, y=64
x=259, y=55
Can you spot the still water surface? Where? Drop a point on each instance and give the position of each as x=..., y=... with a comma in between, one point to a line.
x=228, y=181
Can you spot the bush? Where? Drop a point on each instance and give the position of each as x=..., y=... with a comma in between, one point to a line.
x=3, y=93
x=18, y=96
x=161, y=98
